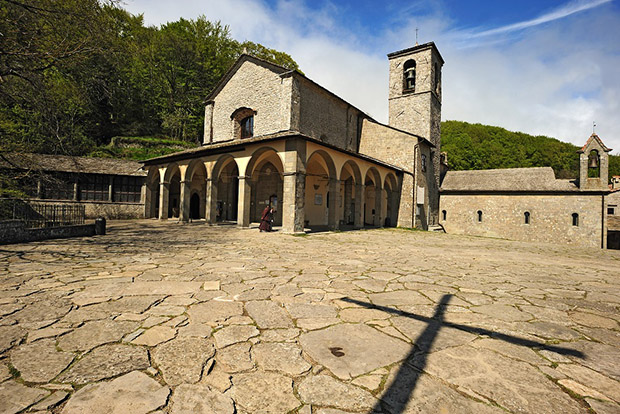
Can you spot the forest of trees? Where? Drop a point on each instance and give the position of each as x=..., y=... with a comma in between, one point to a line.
x=481, y=147
x=75, y=73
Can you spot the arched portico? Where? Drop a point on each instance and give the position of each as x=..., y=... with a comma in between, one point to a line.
x=194, y=197
x=265, y=172
x=351, y=179
x=225, y=190
x=390, y=200
x=322, y=199
x=372, y=198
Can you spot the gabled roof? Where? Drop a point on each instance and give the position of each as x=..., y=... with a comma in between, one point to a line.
x=66, y=163
x=596, y=139
x=235, y=67
x=538, y=179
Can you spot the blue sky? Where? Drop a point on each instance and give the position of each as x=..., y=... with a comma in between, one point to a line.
x=547, y=67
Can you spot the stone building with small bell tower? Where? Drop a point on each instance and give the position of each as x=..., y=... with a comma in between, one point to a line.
x=593, y=164
x=415, y=104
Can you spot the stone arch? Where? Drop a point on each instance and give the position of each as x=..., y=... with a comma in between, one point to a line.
x=322, y=191
x=390, y=200
x=372, y=198
x=172, y=179
x=327, y=161
x=265, y=173
x=196, y=177
x=171, y=169
x=351, y=180
x=225, y=189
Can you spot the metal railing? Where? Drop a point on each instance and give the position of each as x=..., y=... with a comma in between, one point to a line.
x=36, y=214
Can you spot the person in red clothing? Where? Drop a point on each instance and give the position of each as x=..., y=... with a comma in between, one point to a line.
x=266, y=219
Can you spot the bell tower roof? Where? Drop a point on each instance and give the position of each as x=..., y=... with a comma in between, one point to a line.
x=594, y=139
x=417, y=48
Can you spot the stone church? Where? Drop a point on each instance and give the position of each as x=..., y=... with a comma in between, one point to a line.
x=274, y=137
x=530, y=204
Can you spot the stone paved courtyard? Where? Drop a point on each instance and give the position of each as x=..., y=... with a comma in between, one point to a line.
x=170, y=318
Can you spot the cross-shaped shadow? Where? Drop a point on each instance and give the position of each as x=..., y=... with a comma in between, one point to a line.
x=396, y=397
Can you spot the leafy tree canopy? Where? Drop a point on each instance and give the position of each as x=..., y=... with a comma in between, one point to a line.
x=481, y=147
x=75, y=73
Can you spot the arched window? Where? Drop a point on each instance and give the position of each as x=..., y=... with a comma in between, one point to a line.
x=409, y=76
x=594, y=164
x=247, y=126
x=526, y=217
x=444, y=214
x=437, y=79
x=423, y=163
x=479, y=216
x=575, y=219
x=243, y=123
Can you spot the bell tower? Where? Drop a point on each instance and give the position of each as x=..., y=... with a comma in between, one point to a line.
x=594, y=164
x=415, y=102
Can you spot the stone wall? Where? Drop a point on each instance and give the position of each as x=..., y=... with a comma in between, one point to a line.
x=399, y=149
x=503, y=217
x=14, y=231
x=327, y=118
x=255, y=87
x=113, y=211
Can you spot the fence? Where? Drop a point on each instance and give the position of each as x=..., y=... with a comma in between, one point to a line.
x=40, y=214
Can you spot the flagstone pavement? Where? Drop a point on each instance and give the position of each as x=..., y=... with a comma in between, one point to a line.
x=161, y=317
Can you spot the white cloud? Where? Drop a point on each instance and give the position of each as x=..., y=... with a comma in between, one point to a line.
x=559, y=13
x=553, y=79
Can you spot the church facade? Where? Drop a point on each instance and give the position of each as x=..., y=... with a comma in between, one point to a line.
x=274, y=137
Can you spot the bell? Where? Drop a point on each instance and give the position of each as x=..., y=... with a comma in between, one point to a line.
x=593, y=163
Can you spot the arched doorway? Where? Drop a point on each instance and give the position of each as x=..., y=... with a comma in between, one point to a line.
x=227, y=191
x=390, y=203
x=173, y=175
x=322, y=193
x=197, y=176
x=267, y=189
x=194, y=207
x=372, y=199
x=350, y=178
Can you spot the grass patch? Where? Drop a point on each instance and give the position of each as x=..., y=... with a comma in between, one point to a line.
x=14, y=372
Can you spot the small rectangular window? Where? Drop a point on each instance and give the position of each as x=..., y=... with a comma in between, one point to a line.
x=611, y=210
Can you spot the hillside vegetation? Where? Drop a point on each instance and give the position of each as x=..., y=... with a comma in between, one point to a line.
x=481, y=147
x=75, y=73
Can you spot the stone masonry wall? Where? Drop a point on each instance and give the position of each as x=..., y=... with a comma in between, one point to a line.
x=398, y=149
x=14, y=231
x=503, y=217
x=255, y=87
x=324, y=117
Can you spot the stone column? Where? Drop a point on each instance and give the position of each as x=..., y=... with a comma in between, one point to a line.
x=147, y=196
x=243, y=206
x=184, y=201
x=378, y=202
x=163, y=200
x=110, y=188
x=39, y=189
x=294, y=186
x=358, y=220
x=293, y=202
x=334, y=204
x=211, y=202
x=75, y=190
